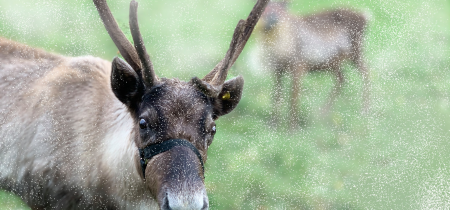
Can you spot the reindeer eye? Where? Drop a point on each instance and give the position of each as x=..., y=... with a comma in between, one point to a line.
x=213, y=130
x=142, y=124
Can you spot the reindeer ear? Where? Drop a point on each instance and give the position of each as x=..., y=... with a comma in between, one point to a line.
x=230, y=96
x=125, y=83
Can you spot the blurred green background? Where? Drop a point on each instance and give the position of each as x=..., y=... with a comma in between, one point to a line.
x=397, y=157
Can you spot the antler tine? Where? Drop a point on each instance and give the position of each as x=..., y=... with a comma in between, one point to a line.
x=126, y=49
x=241, y=35
x=148, y=73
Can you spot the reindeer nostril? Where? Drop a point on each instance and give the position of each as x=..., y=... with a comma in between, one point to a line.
x=165, y=205
x=205, y=205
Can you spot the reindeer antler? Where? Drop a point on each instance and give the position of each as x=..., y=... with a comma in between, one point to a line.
x=139, y=59
x=148, y=74
x=126, y=49
x=136, y=56
x=242, y=32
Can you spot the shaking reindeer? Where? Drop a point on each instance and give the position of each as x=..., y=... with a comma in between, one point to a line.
x=300, y=44
x=84, y=133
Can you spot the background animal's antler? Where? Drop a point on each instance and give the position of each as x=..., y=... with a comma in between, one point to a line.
x=126, y=49
x=148, y=73
x=241, y=34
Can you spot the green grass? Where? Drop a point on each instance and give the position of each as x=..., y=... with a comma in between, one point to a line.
x=10, y=201
x=394, y=158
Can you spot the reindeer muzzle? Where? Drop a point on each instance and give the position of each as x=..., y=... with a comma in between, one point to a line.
x=154, y=149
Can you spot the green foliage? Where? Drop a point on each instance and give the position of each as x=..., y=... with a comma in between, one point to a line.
x=396, y=157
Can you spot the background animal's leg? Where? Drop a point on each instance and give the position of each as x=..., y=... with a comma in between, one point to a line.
x=277, y=97
x=360, y=64
x=339, y=81
x=297, y=75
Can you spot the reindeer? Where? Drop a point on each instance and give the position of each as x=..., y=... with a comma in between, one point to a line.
x=299, y=44
x=83, y=133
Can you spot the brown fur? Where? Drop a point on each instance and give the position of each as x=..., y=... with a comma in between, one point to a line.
x=61, y=117
x=58, y=121
x=42, y=121
x=71, y=128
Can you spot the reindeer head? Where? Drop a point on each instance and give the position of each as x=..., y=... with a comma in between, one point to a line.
x=174, y=120
x=272, y=14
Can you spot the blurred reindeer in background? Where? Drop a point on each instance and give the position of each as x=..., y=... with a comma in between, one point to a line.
x=321, y=41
